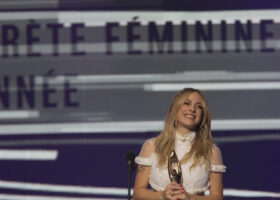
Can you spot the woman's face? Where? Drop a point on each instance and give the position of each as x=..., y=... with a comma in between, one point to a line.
x=189, y=114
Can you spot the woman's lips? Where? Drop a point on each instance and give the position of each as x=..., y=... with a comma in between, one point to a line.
x=189, y=116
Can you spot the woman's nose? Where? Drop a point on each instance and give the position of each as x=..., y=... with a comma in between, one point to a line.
x=192, y=108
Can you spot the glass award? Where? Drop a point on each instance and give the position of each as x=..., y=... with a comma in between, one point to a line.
x=174, y=168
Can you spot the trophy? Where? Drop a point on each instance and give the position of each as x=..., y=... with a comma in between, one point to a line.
x=174, y=168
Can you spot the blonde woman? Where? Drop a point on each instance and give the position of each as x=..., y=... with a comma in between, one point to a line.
x=187, y=131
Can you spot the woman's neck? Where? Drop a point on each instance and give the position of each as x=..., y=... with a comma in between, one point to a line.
x=184, y=131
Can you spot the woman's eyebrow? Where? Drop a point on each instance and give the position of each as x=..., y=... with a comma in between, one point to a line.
x=195, y=103
x=198, y=103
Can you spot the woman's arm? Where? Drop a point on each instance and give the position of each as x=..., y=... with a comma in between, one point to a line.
x=141, y=190
x=216, y=190
x=216, y=178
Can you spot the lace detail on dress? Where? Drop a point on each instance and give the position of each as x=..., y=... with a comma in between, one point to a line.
x=198, y=190
x=188, y=137
x=191, y=191
x=143, y=161
x=218, y=168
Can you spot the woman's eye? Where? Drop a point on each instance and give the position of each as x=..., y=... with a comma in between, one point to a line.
x=187, y=103
x=200, y=107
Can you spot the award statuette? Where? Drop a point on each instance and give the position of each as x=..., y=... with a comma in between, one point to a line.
x=174, y=168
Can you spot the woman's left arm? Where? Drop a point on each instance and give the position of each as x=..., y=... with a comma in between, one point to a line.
x=216, y=188
x=216, y=179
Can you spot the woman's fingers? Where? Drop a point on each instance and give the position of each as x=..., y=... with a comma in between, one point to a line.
x=176, y=185
x=171, y=186
x=178, y=192
x=182, y=196
x=172, y=191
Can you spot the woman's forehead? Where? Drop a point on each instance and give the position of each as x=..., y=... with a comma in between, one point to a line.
x=194, y=97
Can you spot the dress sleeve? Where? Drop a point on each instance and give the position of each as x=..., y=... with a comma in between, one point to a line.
x=144, y=157
x=217, y=161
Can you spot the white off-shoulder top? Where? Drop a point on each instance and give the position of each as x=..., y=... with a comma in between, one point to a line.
x=195, y=181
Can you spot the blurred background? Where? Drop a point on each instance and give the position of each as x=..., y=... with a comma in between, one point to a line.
x=84, y=82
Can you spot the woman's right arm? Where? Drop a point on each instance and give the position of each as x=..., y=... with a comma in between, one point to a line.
x=141, y=190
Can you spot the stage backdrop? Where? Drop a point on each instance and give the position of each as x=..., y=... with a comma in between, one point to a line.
x=80, y=89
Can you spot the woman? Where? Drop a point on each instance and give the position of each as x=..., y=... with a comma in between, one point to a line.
x=187, y=131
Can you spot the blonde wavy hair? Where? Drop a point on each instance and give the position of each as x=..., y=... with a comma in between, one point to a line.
x=202, y=145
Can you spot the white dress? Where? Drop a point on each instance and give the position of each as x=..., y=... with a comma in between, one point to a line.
x=195, y=181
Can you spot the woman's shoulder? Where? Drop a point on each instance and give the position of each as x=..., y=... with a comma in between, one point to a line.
x=217, y=160
x=215, y=149
x=145, y=155
x=151, y=141
x=148, y=146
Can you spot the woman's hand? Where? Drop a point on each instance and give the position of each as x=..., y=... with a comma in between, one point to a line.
x=173, y=191
x=184, y=195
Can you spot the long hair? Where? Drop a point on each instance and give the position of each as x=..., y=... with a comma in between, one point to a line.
x=202, y=145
